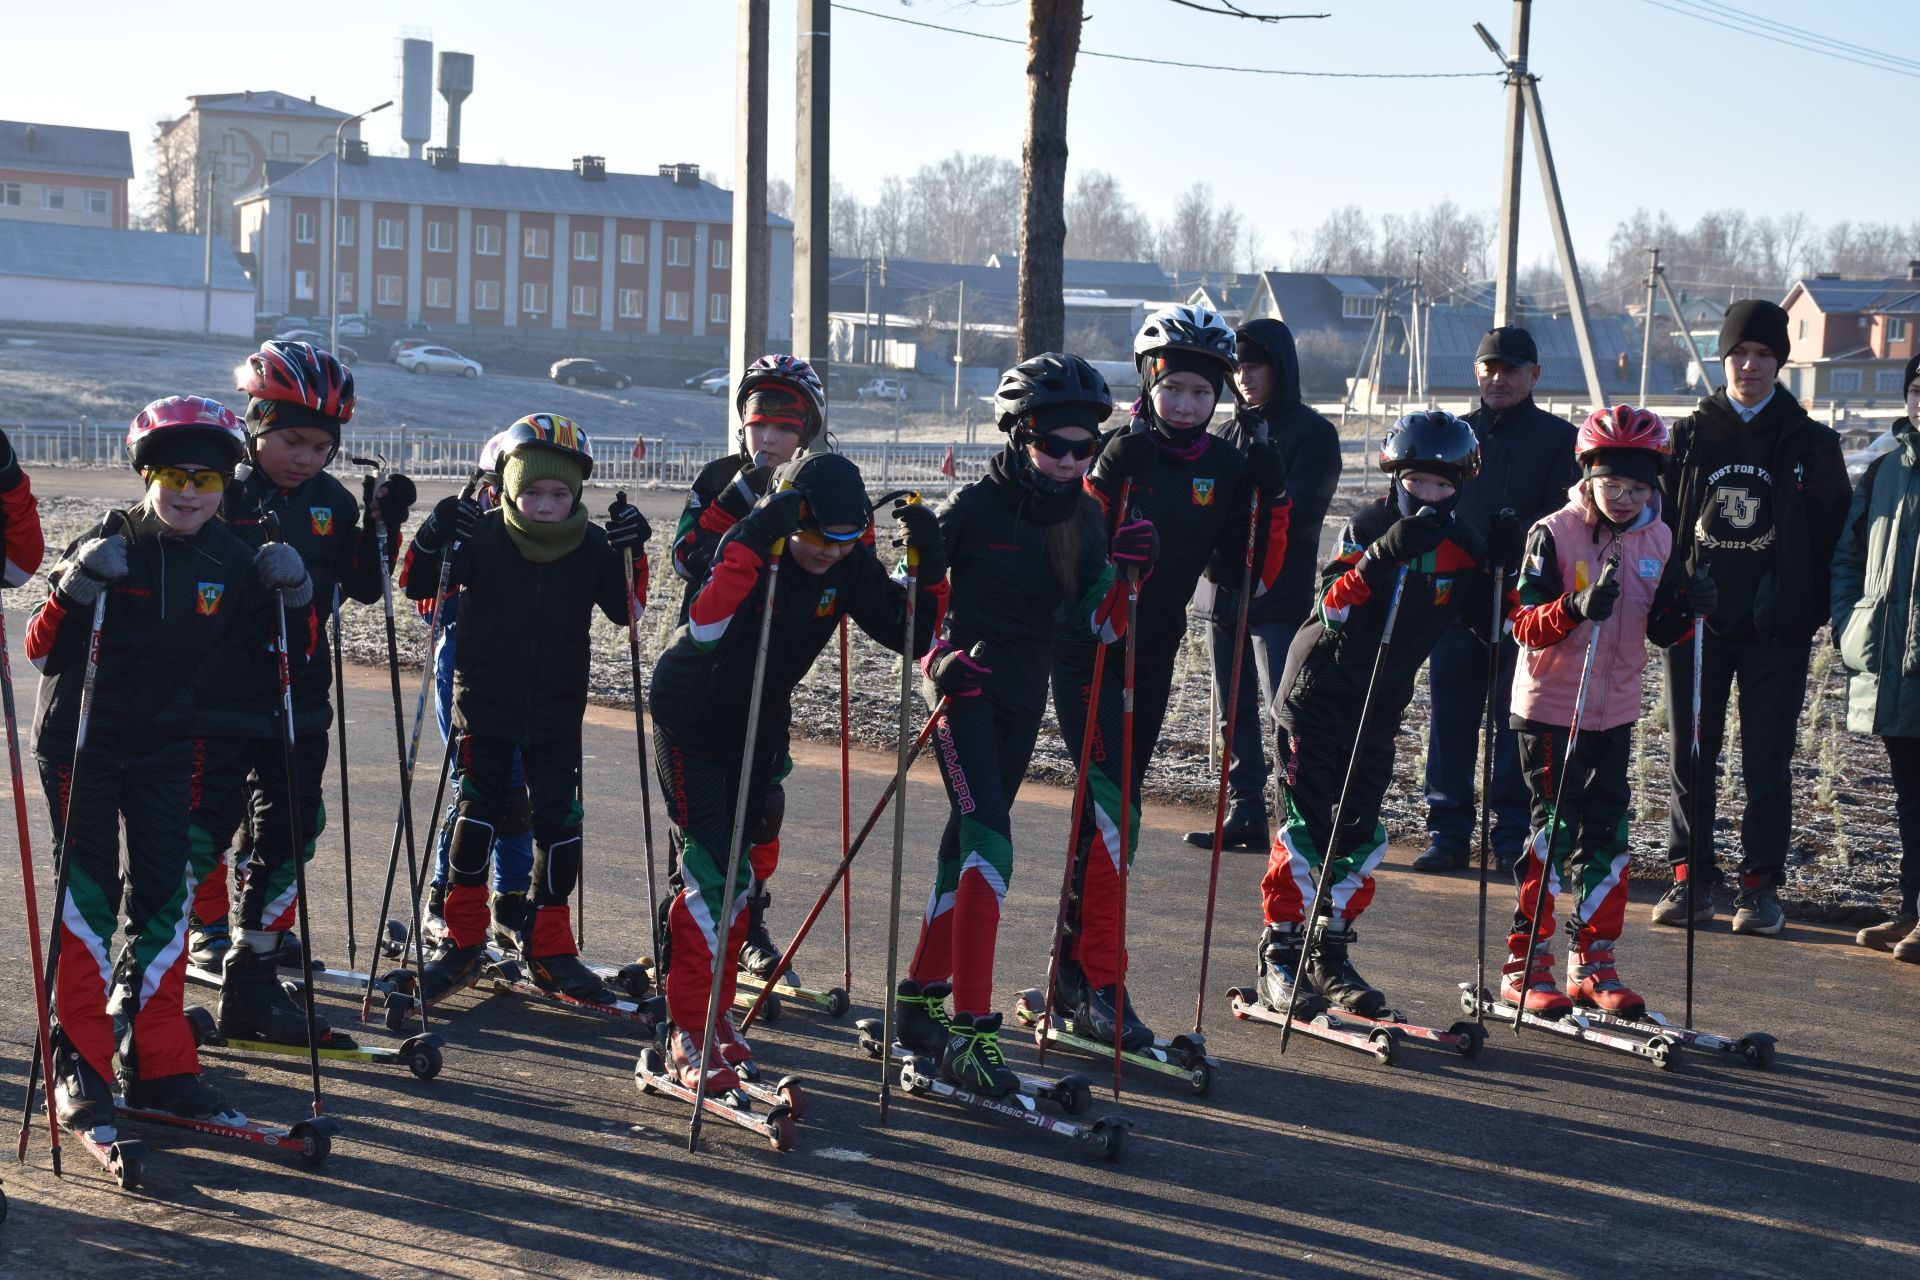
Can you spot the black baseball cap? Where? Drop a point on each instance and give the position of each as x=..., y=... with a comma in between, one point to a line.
x=1510, y=344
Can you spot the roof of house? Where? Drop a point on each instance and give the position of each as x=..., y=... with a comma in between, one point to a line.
x=64, y=148
x=1457, y=330
x=1312, y=299
x=399, y=180
x=1849, y=295
x=1095, y=273
x=264, y=102
x=61, y=251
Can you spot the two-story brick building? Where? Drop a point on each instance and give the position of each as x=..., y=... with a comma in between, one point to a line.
x=60, y=173
x=1851, y=338
x=449, y=243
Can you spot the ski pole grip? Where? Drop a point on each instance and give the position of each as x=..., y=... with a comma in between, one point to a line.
x=368, y=483
x=272, y=522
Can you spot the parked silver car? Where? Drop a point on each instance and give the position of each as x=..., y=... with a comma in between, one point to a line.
x=431, y=359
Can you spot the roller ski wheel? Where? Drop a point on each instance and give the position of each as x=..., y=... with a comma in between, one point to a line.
x=1324, y=1024
x=420, y=1054
x=1104, y=1138
x=1464, y=1038
x=831, y=1001
x=1184, y=1057
x=124, y=1160
x=1657, y=1045
x=1072, y=1094
x=508, y=974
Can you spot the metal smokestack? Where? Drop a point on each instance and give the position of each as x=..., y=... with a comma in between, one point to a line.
x=416, y=93
x=456, y=82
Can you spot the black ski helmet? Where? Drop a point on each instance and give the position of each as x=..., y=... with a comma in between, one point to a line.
x=1432, y=440
x=1051, y=380
x=832, y=486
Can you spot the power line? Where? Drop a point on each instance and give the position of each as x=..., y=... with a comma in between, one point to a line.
x=1191, y=66
x=1801, y=33
x=1799, y=44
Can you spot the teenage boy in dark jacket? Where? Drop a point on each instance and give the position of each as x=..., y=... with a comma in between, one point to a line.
x=1758, y=493
x=1526, y=468
x=1267, y=372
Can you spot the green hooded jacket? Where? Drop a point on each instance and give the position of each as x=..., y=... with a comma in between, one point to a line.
x=1876, y=594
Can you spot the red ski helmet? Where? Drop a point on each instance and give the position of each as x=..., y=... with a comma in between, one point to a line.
x=204, y=430
x=795, y=374
x=1623, y=427
x=303, y=374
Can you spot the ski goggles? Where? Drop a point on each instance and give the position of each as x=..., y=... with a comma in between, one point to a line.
x=827, y=538
x=1055, y=447
x=180, y=481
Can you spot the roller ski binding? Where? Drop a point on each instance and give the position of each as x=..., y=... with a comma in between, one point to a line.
x=759, y=957
x=673, y=1070
x=190, y=1103
x=1280, y=972
x=1089, y=1030
x=1659, y=1047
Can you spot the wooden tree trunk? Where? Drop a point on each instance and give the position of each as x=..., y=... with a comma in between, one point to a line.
x=1053, y=42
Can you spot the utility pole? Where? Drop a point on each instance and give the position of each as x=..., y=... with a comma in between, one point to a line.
x=1646, y=338
x=1699, y=357
x=1416, y=368
x=812, y=194
x=1507, y=255
x=747, y=315
x=1563, y=242
x=959, y=340
x=866, y=336
x=206, y=312
x=882, y=354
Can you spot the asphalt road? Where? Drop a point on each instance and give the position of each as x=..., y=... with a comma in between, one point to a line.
x=534, y=1155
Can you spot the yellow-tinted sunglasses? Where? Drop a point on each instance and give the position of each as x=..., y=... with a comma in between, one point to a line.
x=180, y=481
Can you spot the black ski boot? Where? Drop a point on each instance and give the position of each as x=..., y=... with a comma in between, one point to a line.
x=188, y=1096
x=1280, y=970
x=1331, y=973
x=290, y=955
x=759, y=954
x=253, y=1004
x=433, y=919
x=512, y=922
x=972, y=1059
x=920, y=1019
x=82, y=1097
x=1245, y=831
x=568, y=976
x=1069, y=982
x=450, y=969
x=207, y=943
x=1097, y=1010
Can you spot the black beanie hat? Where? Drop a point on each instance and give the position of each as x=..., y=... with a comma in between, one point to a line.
x=1248, y=349
x=1629, y=464
x=1178, y=360
x=832, y=486
x=1913, y=371
x=1755, y=320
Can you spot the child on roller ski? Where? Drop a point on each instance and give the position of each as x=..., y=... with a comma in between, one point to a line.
x=1021, y=543
x=298, y=399
x=1565, y=593
x=1195, y=489
x=177, y=585
x=1331, y=675
x=701, y=691
x=530, y=574
x=782, y=409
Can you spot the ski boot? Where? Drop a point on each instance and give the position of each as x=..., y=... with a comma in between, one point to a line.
x=1596, y=985
x=1068, y=979
x=684, y=1063
x=450, y=969
x=185, y=1095
x=972, y=1058
x=253, y=1004
x=1331, y=973
x=290, y=954
x=207, y=944
x=759, y=954
x=512, y=922
x=730, y=1044
x=82, y=1097
x=433, y=918
x=1528, y=982
x=1100, y=1007
x=1280, y=969
x=567, y=976
x=920, y=1019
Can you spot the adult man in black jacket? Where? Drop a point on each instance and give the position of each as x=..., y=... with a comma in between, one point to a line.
x=1526, y=468
x=1758, y=492
x=1267, y=373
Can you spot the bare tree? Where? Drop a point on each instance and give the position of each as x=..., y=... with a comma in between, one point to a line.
x=888, y=220
x=1201, y=236
x=1103, y=224
x=780, y=197
x=171, y=202
x=1343, y=242
x=846, y=222
x=960, y=209
x=1053, y=43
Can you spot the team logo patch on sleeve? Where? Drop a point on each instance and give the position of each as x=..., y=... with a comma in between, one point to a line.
x=1202, y=492
x=322, y=518
x=825, y=608
x=207, y=602
x=1442, y=590
x=1649, y=566
x=1535, y=565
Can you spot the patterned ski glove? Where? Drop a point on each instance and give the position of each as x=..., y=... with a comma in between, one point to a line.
x=954, y=672
x=281, y=569
x=95, y=563
x=626, y=527
x=1135, y=543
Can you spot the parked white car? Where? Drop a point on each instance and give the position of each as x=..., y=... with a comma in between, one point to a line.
x=884, y=389
x=1858, y=460
x=430, y=359
x=716, y=386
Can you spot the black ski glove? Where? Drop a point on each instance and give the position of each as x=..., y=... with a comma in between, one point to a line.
x=920, y=529
x=395, y=496
x=777, y=516
x=1268, y=470
x=453, y=519
x=1506, y=538
x=1409, y=538
x=1702, y=594
x=954, y=672
x=748, y=486
x=1594, y=603
x=626, y=527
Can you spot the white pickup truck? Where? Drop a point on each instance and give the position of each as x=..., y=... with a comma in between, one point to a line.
x=884, y=389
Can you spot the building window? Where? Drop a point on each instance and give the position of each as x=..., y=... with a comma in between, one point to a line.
x=722, y=255
x=633, y=248
x=390, y=291
x=487, y=237
x=439, y=237
x=717, y=304
x=10, y=193
x=53, y=197
x=343, y=288
x=96, y=200
x=1896, y=325
x=586, y=246
x=533, y=298
x=674, y=305
x=536, y=242
x=303, y=228
x=345, y=232
x=393, y=233
x=1354, y=307
x=1802, y=332
x=1844, y=382
x=439, y=291
x=585, y=300
x=303, y=286
x=282, y=144
x=633, y=304
x=486, y=295
x=1886, y=382
x=679, y=251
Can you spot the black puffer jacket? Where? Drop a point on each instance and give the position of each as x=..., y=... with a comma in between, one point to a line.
x=1526, y=463
x=1310, y=447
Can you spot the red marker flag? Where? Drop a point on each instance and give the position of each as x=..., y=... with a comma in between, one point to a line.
x=946, y=466
x=639, y=448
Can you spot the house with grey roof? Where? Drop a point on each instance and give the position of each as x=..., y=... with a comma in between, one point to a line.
x=54, y=274
x=64, y=174
x=1851, y=338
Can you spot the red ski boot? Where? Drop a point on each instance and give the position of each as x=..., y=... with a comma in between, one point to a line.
x=685, y=1065
x=1597, y=986
x=1529, y=982
x=729, y=1043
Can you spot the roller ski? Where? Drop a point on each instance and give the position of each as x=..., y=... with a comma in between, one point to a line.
x=1756, y=1048
x=84, y=1104
x=311, y=1140
x=923, y=1030
x=1105, y=1137
x=1268, y=1000
x=564, y=980
x=730, y=1094
x=1585, y=1026
x=421, y=1054
x=1088, y=1029
x=279, y=1020
x=760, y=958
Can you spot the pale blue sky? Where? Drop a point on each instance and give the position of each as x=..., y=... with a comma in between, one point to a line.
x=1645, y=106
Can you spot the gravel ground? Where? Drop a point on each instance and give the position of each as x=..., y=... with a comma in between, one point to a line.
x=1843, y=862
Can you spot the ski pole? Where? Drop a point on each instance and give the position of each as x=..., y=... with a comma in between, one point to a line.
x=846, y=830
x=899, y=821
x=1074, y=824
x=288, y=755
x=1323, y=881
x=1125, y=850
x=44, y=1054
x=1560, y=790
x=1486, y=780
x=841, y=872
x=640, y=733
x=346, y=802
x=723, y=926
x=109, y=525
x=1226, y=753
x=1693, y=786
